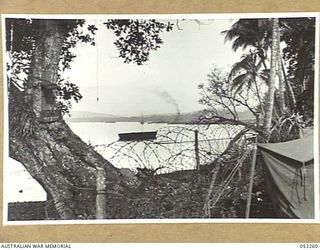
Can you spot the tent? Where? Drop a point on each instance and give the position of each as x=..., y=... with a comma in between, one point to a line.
x=290, y=175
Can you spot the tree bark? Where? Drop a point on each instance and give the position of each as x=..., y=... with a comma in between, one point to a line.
x=292, y=99
x=272, y=78
x=58, y=159
x=282, y=103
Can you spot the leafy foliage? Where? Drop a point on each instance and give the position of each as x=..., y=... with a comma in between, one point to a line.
x=21, y=38
x=20, y=34
x=65, y=93
x=136, y=38
x=286, y=127
x=299, y=36
x=224, y=103
x=18, y=68
x=76, y=35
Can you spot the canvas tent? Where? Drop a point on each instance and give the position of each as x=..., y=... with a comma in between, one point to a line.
x=290, y=175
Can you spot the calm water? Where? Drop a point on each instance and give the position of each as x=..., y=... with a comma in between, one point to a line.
x=173, y=149
x=98, y=133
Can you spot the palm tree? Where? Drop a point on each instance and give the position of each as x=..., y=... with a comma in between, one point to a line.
x=246, y=72
x=254, y=33
x=257, y=34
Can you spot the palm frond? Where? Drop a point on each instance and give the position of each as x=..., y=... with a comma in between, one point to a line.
x=241, y=81
x=247, y=63
x=248, y=32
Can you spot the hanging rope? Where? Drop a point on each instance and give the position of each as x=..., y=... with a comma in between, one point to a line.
x=97, y=69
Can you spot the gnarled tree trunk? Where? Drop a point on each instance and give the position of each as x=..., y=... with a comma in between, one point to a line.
x=57, y=158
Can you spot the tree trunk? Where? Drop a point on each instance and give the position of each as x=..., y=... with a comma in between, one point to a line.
x=272, y=78
x=260, y=104
x=57, y=158
x=292, y=98
x=282, y=103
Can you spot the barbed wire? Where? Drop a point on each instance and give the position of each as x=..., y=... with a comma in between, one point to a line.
x=173, y=149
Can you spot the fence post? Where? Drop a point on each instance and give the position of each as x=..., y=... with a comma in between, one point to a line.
x=252, y=169
x=101, y=198
x=196, y=148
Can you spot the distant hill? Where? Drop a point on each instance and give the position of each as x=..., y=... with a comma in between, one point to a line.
x=88, y=114
x=245, y=115
x=189, y=117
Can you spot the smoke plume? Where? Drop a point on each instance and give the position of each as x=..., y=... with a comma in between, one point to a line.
x=165, y=96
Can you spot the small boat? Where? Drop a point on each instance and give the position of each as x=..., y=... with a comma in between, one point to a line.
x=138, y=136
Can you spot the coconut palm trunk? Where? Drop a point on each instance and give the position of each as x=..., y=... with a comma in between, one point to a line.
x=273, y=76
x=282, y=102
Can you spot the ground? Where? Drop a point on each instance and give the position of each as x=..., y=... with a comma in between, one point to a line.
x=173, y=195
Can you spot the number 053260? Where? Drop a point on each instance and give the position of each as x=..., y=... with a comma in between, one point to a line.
x=309, y=245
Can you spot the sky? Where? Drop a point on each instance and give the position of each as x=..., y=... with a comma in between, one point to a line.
x=169, y=80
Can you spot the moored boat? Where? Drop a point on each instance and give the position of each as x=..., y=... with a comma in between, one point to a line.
x=138, y=136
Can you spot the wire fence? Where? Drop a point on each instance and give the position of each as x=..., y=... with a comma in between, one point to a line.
x=173, y=149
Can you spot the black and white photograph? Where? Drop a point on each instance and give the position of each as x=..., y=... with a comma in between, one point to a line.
x=161, y=118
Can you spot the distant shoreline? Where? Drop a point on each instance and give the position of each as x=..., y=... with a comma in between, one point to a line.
x=173, y=118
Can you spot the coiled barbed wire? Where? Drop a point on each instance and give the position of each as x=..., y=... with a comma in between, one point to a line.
x=173, y=149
